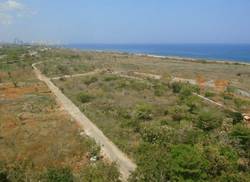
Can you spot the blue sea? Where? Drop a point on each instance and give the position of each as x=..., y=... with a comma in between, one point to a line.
x=223, y=52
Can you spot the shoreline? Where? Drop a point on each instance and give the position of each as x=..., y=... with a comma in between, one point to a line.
x=198, y=60
x=178, y=58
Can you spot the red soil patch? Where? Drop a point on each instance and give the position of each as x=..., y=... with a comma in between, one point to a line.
x=221, y=85
x=3, y=75
x=17, y=92
x=201, y=81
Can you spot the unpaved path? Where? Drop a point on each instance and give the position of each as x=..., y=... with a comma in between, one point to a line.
x=215, y=103
x=148, y=75
x=108, y=148
x=79, y=75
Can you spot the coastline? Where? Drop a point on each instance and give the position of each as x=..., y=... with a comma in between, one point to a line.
x=178, y=58
x=200, y=60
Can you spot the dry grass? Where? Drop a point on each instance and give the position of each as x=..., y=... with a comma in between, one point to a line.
x=34, y=128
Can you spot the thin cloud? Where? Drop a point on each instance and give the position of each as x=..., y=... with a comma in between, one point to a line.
x=11, y=5
x=5, y=19
x=11, y=10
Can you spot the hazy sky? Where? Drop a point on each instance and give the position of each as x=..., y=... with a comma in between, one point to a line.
x=126, y=21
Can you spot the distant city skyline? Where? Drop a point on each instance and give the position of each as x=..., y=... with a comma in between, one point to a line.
x=125, y=22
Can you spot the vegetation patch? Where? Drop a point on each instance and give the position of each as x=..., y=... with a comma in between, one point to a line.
x=84, y=97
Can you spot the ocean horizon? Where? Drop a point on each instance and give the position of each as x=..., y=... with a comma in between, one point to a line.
x=218, y=52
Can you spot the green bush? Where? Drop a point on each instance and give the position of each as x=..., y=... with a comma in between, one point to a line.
x=176, y=87
x=242, y=134
x=58, y=175
x=227, y=96
x=241, y=103
x=18, y=171
x=234, y=177
x=157, y=135
x=143, y=112
x=187, y=163
x=209, y=94
x=237, y=117
x=180, y=163
x=95, y=150
x=152, y=164
x=179, y=112
x=84, y=97
x=231, y=89
x=186, y=92
x=3, y=174
x=184, y=89
x=90, y=80
x=138, y=85
x=220, y=160
x=63, y=69
x=208, y=120
x=159, y=89
x=111, y=78
x=100, y=172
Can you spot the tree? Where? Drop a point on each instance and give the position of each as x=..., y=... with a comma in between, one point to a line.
x=237, y=117
x=180, y=163
x=152, y=164
x=176, y=87
x=208, y=120
x=221, y=160
x=187, y=163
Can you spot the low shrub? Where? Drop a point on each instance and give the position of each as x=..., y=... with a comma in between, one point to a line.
x=227, y=96
x=237, y=117
x=100, y=172
x=138, y=85
x=110, y=78
x=187, y=163
x=63, y=69
x=90, y=80
x=58, y=175
x=209, y=94
x=176, y=87
x=157, y=135
x=95, y=150
x=208, y=120
x=231, y=89
x=84, y=97
x=143, y=112
x=159, y=89
x=3, y=174
x=242, y=134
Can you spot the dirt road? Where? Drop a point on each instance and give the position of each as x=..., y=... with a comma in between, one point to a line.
x=79, y=75
x=215, y=103
x=108, y=148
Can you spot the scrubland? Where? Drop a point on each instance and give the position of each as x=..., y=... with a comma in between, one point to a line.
x=38, y=140
x=171, y=133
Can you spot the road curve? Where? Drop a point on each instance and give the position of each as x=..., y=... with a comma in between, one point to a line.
x=110, y=150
